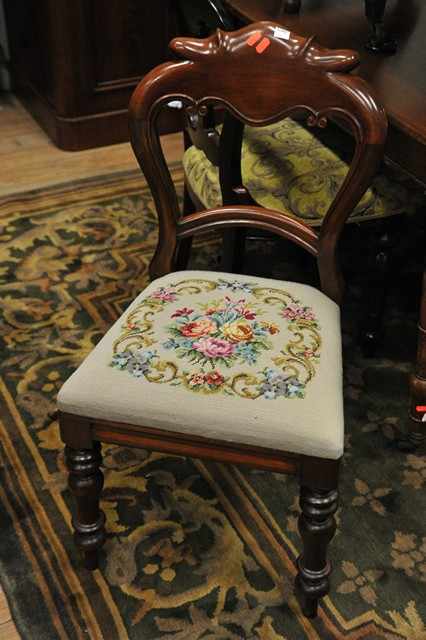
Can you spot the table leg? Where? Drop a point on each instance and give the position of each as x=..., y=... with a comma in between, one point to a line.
x=417, y=426
x=379, y=41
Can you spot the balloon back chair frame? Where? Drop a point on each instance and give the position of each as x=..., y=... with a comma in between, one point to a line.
x=297, y=78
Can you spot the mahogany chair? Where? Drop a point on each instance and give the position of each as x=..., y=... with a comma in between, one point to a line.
x=242, y=370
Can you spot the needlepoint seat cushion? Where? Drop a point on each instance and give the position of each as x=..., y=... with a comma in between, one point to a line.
x=287, y=168
x=241, y=359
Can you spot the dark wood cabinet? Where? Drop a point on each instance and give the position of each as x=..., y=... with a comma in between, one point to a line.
x=75, y=63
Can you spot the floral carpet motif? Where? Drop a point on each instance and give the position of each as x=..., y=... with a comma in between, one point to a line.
x=220, y=334
x=195, y=550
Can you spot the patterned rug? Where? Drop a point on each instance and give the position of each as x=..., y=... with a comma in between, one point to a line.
x=195, y=550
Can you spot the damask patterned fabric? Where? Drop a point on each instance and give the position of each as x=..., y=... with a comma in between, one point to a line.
x=243, y=359
x=287, y=168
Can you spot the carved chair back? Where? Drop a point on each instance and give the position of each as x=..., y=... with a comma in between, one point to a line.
x=260, y=74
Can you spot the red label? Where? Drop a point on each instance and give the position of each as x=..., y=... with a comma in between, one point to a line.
x=255, y=37
x=263, y=45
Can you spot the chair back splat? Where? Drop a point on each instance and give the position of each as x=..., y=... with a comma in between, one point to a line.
x=260, y=74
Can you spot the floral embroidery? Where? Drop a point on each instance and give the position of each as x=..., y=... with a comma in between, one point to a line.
x=235, y=285
x=217, y=339
x=211, y=380
x=182, y=312
x=294, y=311
x=164, y=294
x=222, y=331
x=137, y=363
x=277, y=384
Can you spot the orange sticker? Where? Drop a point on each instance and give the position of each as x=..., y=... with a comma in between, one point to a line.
x=255, y=37
x=263, y=45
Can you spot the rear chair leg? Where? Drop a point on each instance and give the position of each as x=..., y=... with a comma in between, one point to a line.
x=376, y=297
x=183, y=252
x=383, y=264
x=316, y=526
x=85, y=482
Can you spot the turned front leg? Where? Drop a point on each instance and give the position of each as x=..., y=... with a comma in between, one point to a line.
x=317, y=527
x=85, y=482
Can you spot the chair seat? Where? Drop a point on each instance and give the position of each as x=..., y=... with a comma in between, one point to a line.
x=285, y=167
x=239, y=359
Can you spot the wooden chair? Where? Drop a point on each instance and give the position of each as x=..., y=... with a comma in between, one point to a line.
x=236, y=369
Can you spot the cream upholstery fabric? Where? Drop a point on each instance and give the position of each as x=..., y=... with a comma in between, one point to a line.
x=236, y=358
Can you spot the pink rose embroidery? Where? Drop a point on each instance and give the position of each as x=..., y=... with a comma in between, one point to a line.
x=307, y=314
x=293, y=311
x=167, y=295
x=214, y=347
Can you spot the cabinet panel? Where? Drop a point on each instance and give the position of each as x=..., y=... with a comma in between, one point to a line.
x=129, y=39
x=75, y=64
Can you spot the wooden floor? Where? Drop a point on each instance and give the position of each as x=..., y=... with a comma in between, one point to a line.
x=29, y=160
x=7, y=627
